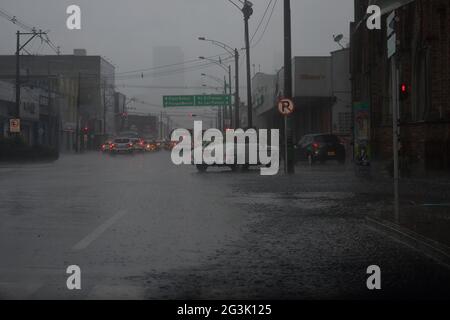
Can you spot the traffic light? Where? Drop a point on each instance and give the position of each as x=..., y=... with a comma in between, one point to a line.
x=403, y=92
x=85, y=130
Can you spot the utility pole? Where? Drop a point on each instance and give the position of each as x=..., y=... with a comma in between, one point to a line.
x=161, y=126
x=235, y=122
x=289, y=136
x=230, y=106
x=395, y=136
x=236, y=98
x=224, y=108
x=393, y=56
x=169, y=126
x=18, y=50
x=219, y=118
x=77, y=130
x=18, y=76
x=248, y=11
x=104, y=108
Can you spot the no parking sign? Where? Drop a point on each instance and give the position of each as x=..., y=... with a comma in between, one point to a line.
x=14, y=125
x=286, y=107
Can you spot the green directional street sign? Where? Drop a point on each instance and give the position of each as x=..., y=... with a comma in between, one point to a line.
x=178, y=101
x=197, y=101
x=212, y=100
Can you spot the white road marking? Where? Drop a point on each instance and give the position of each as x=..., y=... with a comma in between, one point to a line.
x=396, y=239
x=85, y=242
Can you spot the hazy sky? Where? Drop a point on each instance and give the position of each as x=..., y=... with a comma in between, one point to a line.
x=126, y=31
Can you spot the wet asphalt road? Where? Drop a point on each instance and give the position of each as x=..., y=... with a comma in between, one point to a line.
x=142, y=228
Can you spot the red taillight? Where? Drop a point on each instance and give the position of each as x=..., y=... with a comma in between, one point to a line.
x=130, y=144
x=315, y=145
x=112, y=146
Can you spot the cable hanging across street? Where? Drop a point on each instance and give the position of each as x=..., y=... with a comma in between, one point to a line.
x=44, y=37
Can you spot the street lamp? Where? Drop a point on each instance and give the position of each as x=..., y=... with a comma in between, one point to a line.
x=247, y=11
x=220, y=114
x=234, y=52
x=219, y=63
x=338, y=38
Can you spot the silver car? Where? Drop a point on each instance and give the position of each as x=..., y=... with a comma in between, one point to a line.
x=121, y=145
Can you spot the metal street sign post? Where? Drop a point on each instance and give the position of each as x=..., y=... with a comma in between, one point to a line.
x=286, y=108
x=392, y=50
x=391, y=35
x=214, y=100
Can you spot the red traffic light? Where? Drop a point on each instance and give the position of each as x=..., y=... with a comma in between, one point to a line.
x=404, y=92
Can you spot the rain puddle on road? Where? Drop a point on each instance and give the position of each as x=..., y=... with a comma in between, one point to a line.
x=304, y=200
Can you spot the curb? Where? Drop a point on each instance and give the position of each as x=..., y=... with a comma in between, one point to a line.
x=429, y=247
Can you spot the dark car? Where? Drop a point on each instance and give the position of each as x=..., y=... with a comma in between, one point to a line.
x=229, y=153
x=138, y=144
x=320, y=147
x=150, y=146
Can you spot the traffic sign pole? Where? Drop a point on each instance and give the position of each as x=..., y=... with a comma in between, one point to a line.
x=392, y=55
x=286, y=153
x=395, y=136
x=288, y=87
x=286, y=108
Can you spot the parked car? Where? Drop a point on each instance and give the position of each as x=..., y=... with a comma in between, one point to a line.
x=228, y=151
x=121, y=145
x=320, y=147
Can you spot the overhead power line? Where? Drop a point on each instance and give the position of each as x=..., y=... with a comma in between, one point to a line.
x=166, y=87
x=261, y=20
x=266, y=26
x=169, y=72
x=234, y=4
x=44, y=37
x=168, y=65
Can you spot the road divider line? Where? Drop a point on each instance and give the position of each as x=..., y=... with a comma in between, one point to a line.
x=426, y=246
x=85, y=242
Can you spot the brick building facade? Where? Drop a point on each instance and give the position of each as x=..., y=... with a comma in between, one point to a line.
x=423, y=54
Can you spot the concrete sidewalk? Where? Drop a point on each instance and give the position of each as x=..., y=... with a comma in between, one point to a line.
x=424, y=199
